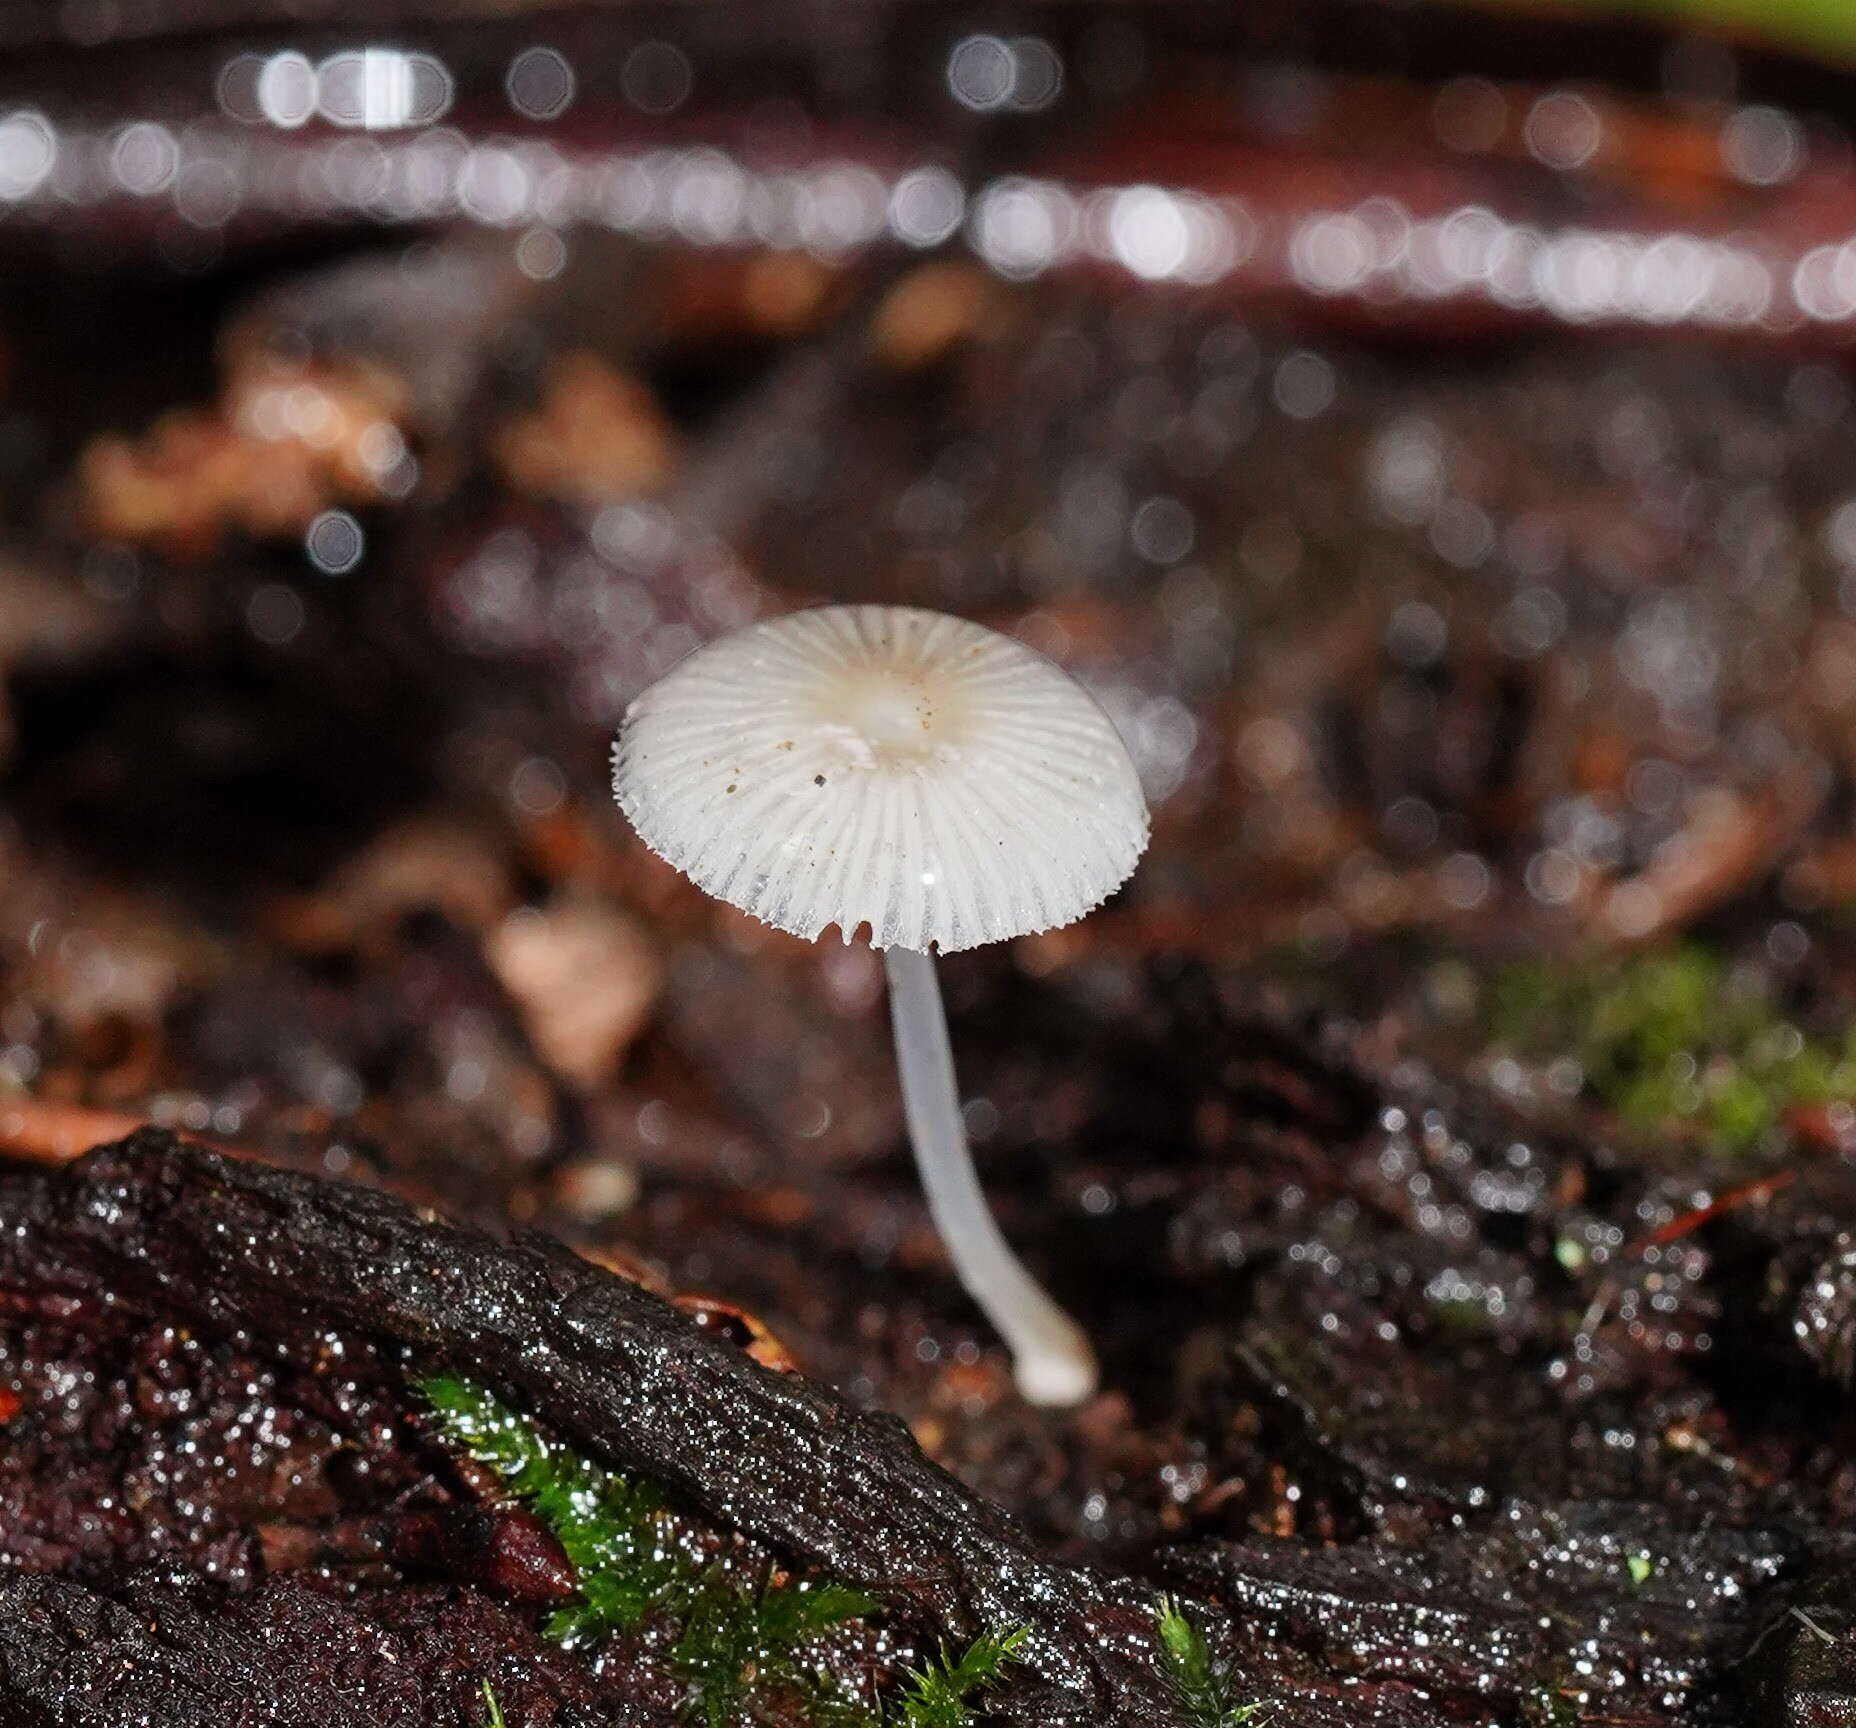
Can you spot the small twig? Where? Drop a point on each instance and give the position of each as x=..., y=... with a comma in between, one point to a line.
x=1745, y=1195
x=1812, y=1626
x=53, y=1133
x=48, y=1132
x=1595, y=1314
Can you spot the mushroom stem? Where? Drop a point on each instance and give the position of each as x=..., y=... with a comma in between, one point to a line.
x=1050, y=1352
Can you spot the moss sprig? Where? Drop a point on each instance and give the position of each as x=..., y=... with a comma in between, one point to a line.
x=737, y=1642
x=939, y=1694
x=1202, y=1691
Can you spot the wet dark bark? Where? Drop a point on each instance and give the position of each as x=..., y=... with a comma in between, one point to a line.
x=169, y=1229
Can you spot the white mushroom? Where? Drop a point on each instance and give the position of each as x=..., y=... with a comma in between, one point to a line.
x=904, y=770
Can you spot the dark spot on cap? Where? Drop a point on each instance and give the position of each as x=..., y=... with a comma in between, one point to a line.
x=818, y=779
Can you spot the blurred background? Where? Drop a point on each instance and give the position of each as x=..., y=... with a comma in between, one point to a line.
x=1426, y=429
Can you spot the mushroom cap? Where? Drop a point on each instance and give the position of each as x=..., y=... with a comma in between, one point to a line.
x=883, y=765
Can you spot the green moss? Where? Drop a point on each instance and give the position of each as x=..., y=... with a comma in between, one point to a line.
x=630, y=1559
x=1202, y=1691
x=736, y=1643
x=739, y=1643
x=939, y=1694
x=1674, y=1038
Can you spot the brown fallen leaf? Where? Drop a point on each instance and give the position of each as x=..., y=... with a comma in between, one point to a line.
x=1733, y=840
x=585, y=978
x=597, y=434
x=286, y=441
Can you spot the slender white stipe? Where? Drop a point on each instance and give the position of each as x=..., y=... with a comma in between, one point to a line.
x=1050, y=1352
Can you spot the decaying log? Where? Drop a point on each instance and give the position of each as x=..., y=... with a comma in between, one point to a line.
x=169, y=1228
